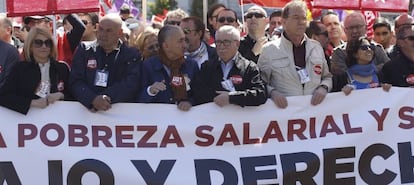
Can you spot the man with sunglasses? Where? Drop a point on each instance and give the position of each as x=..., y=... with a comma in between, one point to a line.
x=400, y=70
x=174, y=17
x=251, y=45
x=355, y=27
x=294, y=64
x=401, y=20
x=197, y=49
x=227, y=17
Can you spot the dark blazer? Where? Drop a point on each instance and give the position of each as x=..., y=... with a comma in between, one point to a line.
x=19, y=88
x=212, y=53
x=153, y=71
x=250, y=91
x=124, y=69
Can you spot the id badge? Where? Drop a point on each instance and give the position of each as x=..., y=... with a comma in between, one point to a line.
x=187, y=81
x=101, y=78
x=304, y=76
x=228, y=85
x=43, y=89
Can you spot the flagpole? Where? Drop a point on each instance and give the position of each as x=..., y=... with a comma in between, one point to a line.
x=144, y=11
x=204, y=12
x=242, y=15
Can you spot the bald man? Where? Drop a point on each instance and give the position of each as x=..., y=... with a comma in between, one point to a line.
x=402, y=20
x=355, y=27
x=107, y=72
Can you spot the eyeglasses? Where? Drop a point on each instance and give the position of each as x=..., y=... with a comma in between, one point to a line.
x=228, y=19
x=173, y=23
x=85, y=22
x=254, y=14
x=187, y=30
x=410, y=38
x=37, y=43
x=366, y=47
x=153, y=47
x=358, y=27
x=223, y=42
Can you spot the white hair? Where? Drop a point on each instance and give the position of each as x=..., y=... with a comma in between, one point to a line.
x=231, y=30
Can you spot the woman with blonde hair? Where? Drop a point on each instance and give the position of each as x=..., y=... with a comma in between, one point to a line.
x=38, y=81
x=147, y=43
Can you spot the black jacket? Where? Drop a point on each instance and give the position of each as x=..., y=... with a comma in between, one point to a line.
x=20, y=87
x=250, y=91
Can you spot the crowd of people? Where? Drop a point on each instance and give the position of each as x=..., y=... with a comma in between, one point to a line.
x=99, y=61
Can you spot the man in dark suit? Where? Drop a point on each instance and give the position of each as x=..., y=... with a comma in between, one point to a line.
x=231, y=79
x=107, y=72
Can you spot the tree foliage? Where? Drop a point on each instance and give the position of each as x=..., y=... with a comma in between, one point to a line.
x=160, y=5
x=197, y=7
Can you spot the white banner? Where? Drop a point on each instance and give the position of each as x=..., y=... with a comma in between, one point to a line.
x=363, y=138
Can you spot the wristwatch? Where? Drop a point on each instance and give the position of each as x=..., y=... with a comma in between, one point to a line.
x=325, y=87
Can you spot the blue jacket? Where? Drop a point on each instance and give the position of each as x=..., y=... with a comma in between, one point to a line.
x=153, y=71
x=123, y=65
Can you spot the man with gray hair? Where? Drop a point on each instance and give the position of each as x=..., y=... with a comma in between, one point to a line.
x=9, y=54
x=232, y=79
x=6, y=32
x=251, y=45
x=174, y=17
x=294, y=64
x=168, y=77
x=355, y=27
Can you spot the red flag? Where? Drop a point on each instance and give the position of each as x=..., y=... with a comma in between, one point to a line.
x=386, y=5
x=108, y=3
x=370, y=17
x=50, y=7
x=374, y=5
x=159, y=17
x=266, y=3
x=336, y=4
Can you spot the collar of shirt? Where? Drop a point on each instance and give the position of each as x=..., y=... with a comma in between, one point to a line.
x=44, y=71
x=226, y=67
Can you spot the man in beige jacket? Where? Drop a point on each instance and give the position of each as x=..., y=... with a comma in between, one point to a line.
x=294, y=64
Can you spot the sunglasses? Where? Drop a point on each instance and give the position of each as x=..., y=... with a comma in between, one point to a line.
x=173, y=23
x=224, y=19
x=366, y=47
x=223, y=42
x=255, y=14
x=153, y=47
x=37, y=43
x=410, y=38
x=325, y=33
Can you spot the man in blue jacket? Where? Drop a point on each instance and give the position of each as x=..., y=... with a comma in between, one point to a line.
x=107, y=72
x=168, y=78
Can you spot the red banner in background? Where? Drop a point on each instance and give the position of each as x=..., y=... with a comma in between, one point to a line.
x=373, y=5
x=386, y=5
x=266, y=3
x=50, y=7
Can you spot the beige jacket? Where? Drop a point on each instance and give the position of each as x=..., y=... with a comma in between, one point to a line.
x=277, y=67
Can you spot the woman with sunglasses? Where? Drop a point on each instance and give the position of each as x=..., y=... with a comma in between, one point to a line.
x=147, y=43
x=361, y=73
x=38, y=81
